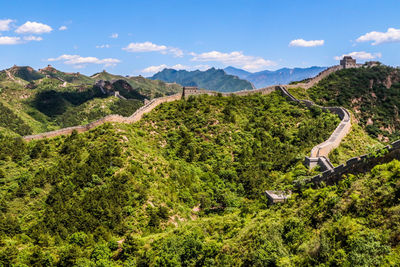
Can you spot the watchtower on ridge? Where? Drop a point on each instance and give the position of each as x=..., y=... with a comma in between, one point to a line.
x=190, y=90
x=348, y=62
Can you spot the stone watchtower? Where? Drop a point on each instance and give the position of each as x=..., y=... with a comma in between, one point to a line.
x=190, y=90
x=348, y=62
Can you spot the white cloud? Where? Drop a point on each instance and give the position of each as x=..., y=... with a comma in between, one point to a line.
x=33, y=28
x=392, y=35
x=80, y=62
x=114, y=35
x=304, y=43
x=144, y=47
x=360, y=55
x=6, y=40
x=236, y=59
x=150, y=47
x=63, y=28
x=173, y=50
x=33, y=38
x=103, y=46
x=5, y=24
x=155, y=69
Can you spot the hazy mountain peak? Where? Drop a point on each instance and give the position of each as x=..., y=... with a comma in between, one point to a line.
x=212, y=79
x=281, y=76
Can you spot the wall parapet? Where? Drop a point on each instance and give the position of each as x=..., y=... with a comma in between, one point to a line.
x=317, y=78
x=323, y=149
x=356, y=165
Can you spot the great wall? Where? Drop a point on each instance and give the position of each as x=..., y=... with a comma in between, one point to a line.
x=319, y=154
x=149, y=106
x=136, y=116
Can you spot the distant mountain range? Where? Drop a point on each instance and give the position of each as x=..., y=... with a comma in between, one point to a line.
x=211, y=79
x=282, y=76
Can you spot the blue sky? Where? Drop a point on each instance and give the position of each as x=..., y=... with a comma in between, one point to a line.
x=141, y=37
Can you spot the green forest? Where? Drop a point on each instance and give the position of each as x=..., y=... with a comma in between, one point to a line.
x=108, y=195
x=185, y=185
x=372, y=94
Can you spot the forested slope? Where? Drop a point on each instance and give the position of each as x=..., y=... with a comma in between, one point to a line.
x=69, y=200
x=185, y=185
x=38, y=101
x=373, y=94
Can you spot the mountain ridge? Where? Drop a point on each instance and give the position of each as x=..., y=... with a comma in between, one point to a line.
x=281, y=76
x=211, y=79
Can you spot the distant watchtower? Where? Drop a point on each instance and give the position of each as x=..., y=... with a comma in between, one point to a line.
x=190, y=90
x=348, y=62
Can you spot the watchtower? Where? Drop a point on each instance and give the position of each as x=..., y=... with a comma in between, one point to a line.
x=190, y=90
x=348, y=62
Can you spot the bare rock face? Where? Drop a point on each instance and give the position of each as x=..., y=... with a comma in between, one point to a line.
x=122, y=84
x=391, y=79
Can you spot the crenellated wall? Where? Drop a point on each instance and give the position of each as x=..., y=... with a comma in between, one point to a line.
x=356, y=165
x=319, y=153
x=316, y=79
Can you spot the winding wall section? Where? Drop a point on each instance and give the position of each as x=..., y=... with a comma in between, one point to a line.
x=137, y=115
x=356, y=165
x=319, y=154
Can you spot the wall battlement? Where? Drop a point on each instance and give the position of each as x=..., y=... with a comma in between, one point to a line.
x=355, y=165
x=319, y=153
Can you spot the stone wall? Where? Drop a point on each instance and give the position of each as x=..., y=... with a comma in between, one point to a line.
x=263, y=91
x=150, y=105
x=319, y=153
x=356, y=165
x=336, y=137
x=137, y=115
x=316, y=79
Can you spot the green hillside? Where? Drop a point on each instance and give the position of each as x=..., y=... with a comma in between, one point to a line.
x=75, y=78
x=38, y=101
x=25, y=73
x=372, y=94
x=184, y=186
x=212, y=79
